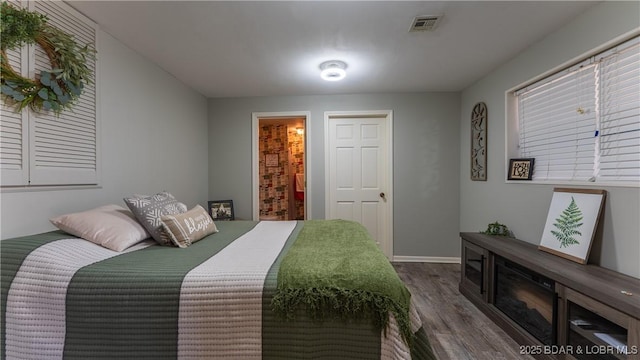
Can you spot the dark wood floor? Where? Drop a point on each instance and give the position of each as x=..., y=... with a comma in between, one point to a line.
x=456, y=328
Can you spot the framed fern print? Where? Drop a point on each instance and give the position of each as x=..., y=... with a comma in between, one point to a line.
x=571, y=223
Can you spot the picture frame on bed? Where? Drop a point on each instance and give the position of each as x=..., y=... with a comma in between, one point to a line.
x=571, y=223
x=221, y=210
x=521, y=169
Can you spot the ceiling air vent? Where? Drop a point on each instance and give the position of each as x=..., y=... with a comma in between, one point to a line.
x=425, y=23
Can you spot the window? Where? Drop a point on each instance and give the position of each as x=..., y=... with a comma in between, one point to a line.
x=583, y=123
x=39, y=149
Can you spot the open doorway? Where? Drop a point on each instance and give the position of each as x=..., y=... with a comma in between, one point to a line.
x=279, y=147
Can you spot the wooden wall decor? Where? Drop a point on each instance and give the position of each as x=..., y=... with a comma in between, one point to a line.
x=479, y=142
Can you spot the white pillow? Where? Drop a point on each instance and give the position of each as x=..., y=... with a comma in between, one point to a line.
x=111, y=226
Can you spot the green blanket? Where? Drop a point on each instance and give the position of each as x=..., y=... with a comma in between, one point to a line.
x=335, y=270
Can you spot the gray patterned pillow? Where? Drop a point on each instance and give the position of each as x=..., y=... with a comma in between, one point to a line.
x=150, y=209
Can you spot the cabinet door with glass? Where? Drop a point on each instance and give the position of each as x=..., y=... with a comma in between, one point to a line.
x=597, y=331
x=474, y=272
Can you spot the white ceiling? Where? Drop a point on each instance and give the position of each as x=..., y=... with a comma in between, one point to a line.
x=265, y=48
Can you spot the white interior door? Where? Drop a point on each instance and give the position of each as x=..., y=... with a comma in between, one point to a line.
x=359, y=172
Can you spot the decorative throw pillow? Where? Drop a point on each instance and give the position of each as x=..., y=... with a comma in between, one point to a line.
x=181, y=206
x=111, y=226
x=189, y=227
x=149, y=211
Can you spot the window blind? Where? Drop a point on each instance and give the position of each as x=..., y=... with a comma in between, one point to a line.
x=583, y=124
x=558, y=123
x=620, y=114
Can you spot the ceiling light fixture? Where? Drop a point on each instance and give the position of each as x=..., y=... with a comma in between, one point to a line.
x=333, y=70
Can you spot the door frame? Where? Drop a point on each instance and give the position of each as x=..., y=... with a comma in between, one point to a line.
x=255, y=157
x=383, y=114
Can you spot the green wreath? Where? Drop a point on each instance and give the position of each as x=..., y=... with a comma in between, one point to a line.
x=55, y=89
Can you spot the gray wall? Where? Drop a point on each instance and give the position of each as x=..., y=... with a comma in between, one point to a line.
x=523, y=207
x=426, y=151
x=153, y=138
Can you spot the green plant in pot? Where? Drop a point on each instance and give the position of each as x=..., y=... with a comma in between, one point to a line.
x=497, y=229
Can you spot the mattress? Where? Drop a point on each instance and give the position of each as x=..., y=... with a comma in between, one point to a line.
x=67, y=298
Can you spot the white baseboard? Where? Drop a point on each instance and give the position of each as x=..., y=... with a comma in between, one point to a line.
x=427, y=259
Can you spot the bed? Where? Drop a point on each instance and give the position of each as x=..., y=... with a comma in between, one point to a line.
x=241, y=293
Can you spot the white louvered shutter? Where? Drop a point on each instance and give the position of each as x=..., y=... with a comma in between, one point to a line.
x=557, y=124
x=64, y=148
x=620, y=113
x=14, y=128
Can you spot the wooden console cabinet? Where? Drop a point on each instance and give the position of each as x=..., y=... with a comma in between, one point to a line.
x=596, y=311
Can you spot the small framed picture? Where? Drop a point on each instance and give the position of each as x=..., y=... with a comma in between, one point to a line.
x=221, y=210
x=271, y=160
x=520, y=169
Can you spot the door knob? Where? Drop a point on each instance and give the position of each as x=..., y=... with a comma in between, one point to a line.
x=382, y=195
